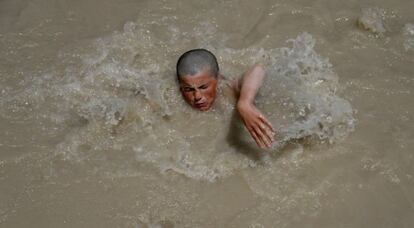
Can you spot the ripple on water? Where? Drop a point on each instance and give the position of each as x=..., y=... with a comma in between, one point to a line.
x=119, y=94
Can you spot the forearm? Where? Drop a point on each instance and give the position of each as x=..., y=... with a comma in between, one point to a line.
x=251, y=82
x=256, y=123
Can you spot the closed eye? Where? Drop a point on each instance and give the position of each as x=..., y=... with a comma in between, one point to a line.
x=188, y=89
x=203, y=86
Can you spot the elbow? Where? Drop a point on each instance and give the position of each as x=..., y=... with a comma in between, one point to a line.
x=258, y=65
x=258, y=69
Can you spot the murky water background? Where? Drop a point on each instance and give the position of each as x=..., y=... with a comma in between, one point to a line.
x=95, y=134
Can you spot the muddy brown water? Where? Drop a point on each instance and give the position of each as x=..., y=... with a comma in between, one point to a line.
x=95, y=134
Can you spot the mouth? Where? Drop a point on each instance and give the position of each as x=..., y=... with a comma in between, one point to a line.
x=200, y=105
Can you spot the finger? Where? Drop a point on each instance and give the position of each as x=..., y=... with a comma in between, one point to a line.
x=256, y=133
x=256, y=138
x=270, y=135
x=267, y=122
x=258, y=141
x=266, y=132
x=262, y=136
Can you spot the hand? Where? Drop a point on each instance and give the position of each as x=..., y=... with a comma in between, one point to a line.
x=258, y=126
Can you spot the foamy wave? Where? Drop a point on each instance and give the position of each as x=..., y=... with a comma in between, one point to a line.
x=308, y=81
x=119, y=94
x=372, y=19
x=409, y=37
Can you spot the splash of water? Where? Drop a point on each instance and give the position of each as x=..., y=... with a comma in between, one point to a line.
x=119, y=94
x=409, y=34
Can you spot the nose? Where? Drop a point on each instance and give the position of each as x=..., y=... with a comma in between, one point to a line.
x=197, y=96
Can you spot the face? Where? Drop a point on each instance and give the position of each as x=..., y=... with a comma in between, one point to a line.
x=199, y=90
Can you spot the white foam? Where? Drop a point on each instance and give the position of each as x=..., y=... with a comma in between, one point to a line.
x=409, y=37
x=372, y=19
x=122, y=95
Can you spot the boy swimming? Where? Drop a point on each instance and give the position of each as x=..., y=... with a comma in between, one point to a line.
x=198, y=75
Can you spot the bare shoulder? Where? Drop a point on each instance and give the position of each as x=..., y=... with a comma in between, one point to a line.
x=230, y=86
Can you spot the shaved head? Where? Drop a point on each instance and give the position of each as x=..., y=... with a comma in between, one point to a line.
x=195, y=61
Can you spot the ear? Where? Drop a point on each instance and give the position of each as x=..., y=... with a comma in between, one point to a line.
x=181, y=89
x=215, y=80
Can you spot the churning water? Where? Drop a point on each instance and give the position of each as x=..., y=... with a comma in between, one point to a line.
x=96, y=134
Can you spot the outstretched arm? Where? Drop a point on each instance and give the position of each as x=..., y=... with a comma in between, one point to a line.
x=258, y=126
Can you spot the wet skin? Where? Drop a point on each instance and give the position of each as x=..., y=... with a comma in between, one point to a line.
x=199, y=90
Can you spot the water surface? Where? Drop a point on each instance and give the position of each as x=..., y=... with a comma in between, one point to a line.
x=95, y=133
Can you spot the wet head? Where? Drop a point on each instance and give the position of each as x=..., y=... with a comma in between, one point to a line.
x=197, y=73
